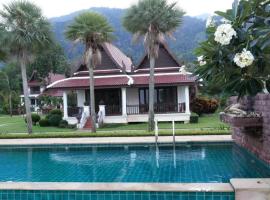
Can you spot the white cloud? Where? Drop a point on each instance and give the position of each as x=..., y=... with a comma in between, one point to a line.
x=53, y=8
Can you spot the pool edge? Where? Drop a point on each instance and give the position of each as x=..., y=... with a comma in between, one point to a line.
x=116, y=140
x=142, y=187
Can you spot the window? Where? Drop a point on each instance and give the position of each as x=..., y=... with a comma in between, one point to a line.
x=33, y=102
x=35, y=90
x=163, y=95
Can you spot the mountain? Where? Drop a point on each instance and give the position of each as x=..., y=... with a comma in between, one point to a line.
x=203, y=16
x=187, y=36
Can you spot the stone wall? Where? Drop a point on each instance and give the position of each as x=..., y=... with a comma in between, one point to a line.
x=256, y=140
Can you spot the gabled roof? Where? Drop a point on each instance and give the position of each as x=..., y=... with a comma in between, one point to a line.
x=113, y=59
x=36, y=81
x=166, y=59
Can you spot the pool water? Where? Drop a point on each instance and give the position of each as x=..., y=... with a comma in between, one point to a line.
x=130, y=163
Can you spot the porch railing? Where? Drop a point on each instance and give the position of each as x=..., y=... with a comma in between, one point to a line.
x=158, y=108
x=112, y=110
x=74, y=111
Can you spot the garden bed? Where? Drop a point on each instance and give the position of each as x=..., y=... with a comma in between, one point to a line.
x=240, y=121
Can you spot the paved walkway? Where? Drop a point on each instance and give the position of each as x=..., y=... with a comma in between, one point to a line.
x=116, y=140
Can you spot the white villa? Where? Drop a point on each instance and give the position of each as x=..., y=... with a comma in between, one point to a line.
x=121, y=89
x=36, y=87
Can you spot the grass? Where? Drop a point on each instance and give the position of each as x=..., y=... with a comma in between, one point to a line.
x=111, y=134
x=15, y=127
x=16, y=124
x=205, y=122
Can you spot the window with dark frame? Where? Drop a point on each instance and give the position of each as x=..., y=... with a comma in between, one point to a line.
x=163, y=95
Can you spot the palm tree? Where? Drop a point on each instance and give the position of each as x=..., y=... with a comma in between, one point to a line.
x=27, y=31
x=92, y=30
x=153, y=20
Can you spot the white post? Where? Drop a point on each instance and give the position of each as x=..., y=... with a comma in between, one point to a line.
x=124, y=101
x=187, y=99
x=173, y=127
x=156, y=130
x=36, y=105
x=65, y=105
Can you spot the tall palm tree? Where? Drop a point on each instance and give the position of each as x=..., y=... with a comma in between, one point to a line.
x=153, y=20
x=28, y=31
x=92, y=30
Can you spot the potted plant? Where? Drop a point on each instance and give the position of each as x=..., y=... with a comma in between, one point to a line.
x=236, y=57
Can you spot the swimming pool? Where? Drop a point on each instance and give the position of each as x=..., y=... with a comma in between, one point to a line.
x=165, y=163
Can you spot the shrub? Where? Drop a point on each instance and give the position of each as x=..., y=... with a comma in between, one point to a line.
x=71, y=126
x=63, y=124
x=194, y=118
x=44, y=123
x=203, y=105
x=56, y=112
x=54, y=119
x=35, y=118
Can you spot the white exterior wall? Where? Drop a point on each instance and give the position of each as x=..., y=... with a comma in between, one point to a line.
x=132, y=96
x=80, y=98
x=65, y=105
x=181, y=94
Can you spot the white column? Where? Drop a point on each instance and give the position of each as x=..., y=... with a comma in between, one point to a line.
x=36, y=105
x=187, y=99
x=65, y=105
x=80, y=98
x=124, y=101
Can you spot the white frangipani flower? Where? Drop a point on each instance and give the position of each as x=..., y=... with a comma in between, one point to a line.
x=224, y=34
x=243, y=59
x=201, y=60
x=210, y=22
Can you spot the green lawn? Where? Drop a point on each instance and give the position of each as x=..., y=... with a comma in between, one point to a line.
x=208, y=125
x=16, y=124
x=205, y=122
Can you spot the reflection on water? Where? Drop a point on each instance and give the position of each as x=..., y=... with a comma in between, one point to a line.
x=148, y=163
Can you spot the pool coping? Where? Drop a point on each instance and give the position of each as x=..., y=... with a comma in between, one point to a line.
x=131, y=187
x=116, y=140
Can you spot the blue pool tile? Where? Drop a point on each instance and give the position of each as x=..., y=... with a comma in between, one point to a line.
x=192, y=162
x=78, y=195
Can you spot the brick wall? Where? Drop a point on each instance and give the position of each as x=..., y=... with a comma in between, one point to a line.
x=256, y=140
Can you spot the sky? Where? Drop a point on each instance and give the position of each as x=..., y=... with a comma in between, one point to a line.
x=55, y=8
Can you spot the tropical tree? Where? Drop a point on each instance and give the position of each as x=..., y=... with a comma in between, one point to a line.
x=153, y=20
x=27, y=31
x=6, y=89
x=236, y=55
x=52, y=60
x=92, y=30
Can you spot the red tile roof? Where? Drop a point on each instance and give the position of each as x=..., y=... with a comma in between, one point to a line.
x=164, y=79
x=53, y=92
x=118, y=56
x=82, y=82
x=34, y=81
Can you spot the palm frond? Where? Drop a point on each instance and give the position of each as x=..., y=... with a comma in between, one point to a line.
x=153, y=19
x=27, y=29
x=92, y=30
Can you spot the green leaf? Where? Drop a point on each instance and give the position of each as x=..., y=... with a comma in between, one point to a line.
x=225, y=15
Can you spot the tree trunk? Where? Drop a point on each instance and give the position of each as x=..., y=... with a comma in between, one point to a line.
x=92, y=95
x=10, y=104
x=26, y=95
x=151, y=115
